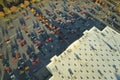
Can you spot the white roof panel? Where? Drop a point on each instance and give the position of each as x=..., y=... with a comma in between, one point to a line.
x=95, y=56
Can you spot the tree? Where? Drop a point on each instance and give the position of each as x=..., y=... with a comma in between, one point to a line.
x=21, y=1
x=15, y=2
x=7, y=3
x=10, y=3
x=117, y=7
x=2, y=14
x=7, y=10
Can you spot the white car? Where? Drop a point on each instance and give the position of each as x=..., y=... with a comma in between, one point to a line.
x=11, y=74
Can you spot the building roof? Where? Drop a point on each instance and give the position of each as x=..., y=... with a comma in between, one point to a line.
x=95, y=56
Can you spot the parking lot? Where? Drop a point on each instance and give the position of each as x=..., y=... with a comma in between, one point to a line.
x=45, y=29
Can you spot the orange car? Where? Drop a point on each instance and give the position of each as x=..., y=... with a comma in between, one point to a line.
x=24, y=28
x=14, y=59
x=39, y=30
x=51, y=26
x=46, y=22
x=40, y=18
x=27, y=17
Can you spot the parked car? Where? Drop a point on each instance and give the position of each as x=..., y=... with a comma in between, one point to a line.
x=22, y=42
x=11, y=74
x=34, y=58
x=1, y=55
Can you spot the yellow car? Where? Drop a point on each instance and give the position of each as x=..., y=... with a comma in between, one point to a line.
x=32, y=10
x=37, y=15
x=22, y=72
x=27, y=68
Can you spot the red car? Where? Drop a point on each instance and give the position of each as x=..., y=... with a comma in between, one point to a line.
x=35, y=61
x=8, y=68
x=49, y=40
x=83, y=12
x=55, y=30
x=22, y=42
x=37, y=43
x=18, y=55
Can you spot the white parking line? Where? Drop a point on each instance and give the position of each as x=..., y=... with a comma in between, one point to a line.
x=12, y=36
